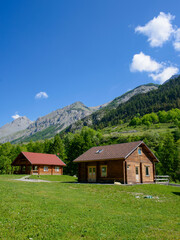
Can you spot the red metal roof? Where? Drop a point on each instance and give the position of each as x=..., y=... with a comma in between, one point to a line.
x=110, y=152
x=43, y=159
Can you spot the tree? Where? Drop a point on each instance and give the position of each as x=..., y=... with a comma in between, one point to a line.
x=57, y=147
x=135, y=121
x=177, y=171
x=162, y=116
x=77, y=144
x=168, y=156
x=5, y=165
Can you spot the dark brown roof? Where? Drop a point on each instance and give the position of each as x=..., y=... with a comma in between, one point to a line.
x=110, y=152
x=40, y=159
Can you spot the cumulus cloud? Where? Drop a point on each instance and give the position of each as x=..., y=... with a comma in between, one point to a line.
x=142, y=62
x=158, y=30
x=15, y=116
x=157, y=71
x=165, y=74
x=41, y=95
x=176, y=43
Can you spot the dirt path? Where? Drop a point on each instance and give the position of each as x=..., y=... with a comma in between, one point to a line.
x=27, y=179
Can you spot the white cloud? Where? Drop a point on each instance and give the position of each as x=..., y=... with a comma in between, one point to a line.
x=176, y=43
x=15, y=116
x=157, y=71
x=144, y=63
x=158, y=30
x=165, y=74
x=41, y=95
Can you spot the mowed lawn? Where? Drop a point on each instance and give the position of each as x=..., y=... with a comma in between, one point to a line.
x=59, y=210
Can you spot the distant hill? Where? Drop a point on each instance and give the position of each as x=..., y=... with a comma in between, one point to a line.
x=71, y=115
x=96, y=117
x=166, y=97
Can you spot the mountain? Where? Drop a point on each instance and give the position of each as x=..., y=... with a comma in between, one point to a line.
x=75, y=115
x=15, y=126
x=121, y=100
x=56, y=120
x=166, y=97
x=42, y=130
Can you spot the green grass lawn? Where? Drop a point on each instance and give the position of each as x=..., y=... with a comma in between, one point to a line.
x=59, y=178
x=87, y=211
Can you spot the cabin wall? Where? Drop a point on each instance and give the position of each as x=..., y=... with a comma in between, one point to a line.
x=141, y=161
x=114, y=171
x=57, y=173
x=51, y=170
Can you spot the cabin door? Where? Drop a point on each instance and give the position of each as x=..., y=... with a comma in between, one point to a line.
x=137, y=174
x=91, y=173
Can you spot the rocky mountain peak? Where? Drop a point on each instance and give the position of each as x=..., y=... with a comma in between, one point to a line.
x=16, y=125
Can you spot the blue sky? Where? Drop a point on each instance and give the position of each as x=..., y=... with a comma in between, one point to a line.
x=53, y=53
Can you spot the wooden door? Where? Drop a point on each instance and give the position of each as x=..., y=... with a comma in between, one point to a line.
x=137, y=174
x=91, y=173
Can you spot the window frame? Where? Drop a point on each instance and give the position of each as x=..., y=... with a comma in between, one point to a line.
x=46, y=169
x=147, y=168
x=128, y=166
x=35, y=168
x=102, y=166
x=140, y=149
x=57, y=168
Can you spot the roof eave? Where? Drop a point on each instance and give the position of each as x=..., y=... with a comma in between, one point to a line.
x=12, y=164
x=133, y=150
x=98, y=160
x=154, y=159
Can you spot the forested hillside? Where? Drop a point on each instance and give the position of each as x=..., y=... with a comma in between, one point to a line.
x=166, y=97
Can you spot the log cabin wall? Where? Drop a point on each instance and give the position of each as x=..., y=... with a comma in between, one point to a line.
x=114, y=171
x=82, y=172
x=51, y=170
x=55, y=172
x=141, y=161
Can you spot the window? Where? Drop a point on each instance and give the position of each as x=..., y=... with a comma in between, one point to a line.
x=104, y=171
x=147, y=170
x=128, y=166
x=45, y=168
x=56, y=169
x=137, y=171
x=99, y=151
x=139, y=151
x=35, y=168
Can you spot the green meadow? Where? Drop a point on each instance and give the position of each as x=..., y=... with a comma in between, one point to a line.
x=61, y=210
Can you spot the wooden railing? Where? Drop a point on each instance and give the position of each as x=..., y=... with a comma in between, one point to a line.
x=161, y=179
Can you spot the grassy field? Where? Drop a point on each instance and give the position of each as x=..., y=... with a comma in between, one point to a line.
x=59, y=178
x=59, y=210
x=126, y=130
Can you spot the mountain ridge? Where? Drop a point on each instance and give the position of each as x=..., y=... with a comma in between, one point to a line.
x=19, y=124
x=60, y=119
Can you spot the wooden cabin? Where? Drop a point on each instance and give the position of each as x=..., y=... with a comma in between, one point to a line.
x=128, y=163
x=38, y=164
